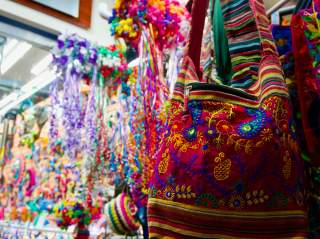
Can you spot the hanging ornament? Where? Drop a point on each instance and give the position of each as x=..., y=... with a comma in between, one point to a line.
x=164, y=16
x=74, y=58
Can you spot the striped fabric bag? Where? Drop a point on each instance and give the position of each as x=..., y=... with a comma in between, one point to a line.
x=229, y=164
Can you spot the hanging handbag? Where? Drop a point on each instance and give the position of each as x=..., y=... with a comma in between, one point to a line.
x=229, y=164
x=307, y=66
x=305, y=38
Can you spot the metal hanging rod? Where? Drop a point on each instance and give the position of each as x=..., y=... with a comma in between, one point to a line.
x=36, y=229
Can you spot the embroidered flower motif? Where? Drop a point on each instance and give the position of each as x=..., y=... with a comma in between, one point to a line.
x=184, y=192
x=177, y=139
x=224, y=127
x=256, y=197
x=236, y=202
x=205, y=148
x=190, y=133
x=207, y=200
x=266, y=135
x=168, y=193
x=249, y=130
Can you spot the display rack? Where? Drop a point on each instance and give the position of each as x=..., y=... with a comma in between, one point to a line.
x=16, y=230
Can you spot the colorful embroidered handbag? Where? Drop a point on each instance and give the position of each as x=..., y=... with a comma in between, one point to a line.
x=306, y=39
x=229, y=164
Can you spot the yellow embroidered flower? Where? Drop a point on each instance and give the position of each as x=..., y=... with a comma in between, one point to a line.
x=266, y=135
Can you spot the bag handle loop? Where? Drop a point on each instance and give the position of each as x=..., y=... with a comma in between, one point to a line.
x=198, y=15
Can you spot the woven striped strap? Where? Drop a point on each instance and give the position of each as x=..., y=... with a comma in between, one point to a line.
x=197, y=24
x=255, y=62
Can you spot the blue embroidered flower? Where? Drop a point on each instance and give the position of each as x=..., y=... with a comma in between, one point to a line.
x=249, y=130
x=190, y=133
x=169, y=193
x=236, y=202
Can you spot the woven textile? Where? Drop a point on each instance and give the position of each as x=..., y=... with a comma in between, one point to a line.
x=229, y=165
x=307, y=64
x=120, y=214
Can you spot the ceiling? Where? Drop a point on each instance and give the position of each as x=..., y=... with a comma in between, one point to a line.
x=20, y=72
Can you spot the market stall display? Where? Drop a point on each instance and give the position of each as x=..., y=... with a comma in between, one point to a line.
x=171, y=124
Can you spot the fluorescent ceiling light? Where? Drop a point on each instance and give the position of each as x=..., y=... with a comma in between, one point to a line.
x=33, y=86
x=38, y=82
x=14, y=56
x=42, y=65
x=9, y=46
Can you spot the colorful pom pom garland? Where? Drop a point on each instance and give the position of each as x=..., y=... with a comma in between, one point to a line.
x=163, y=17
x=71, y=212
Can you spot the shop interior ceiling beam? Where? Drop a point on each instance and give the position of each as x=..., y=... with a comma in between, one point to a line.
x=3, y=41
x=277, y=6
x=37, y=37
x=17, y=97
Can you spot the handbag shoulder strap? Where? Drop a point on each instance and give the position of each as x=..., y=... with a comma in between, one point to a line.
x=257, y=71
x=199, y=10
x=223, y=60
x=221, y=44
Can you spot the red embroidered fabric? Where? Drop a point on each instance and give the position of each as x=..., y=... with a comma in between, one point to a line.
x=308, y=92
x=229, y=165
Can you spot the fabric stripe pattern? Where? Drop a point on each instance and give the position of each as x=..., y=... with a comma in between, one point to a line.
x=182, y=221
